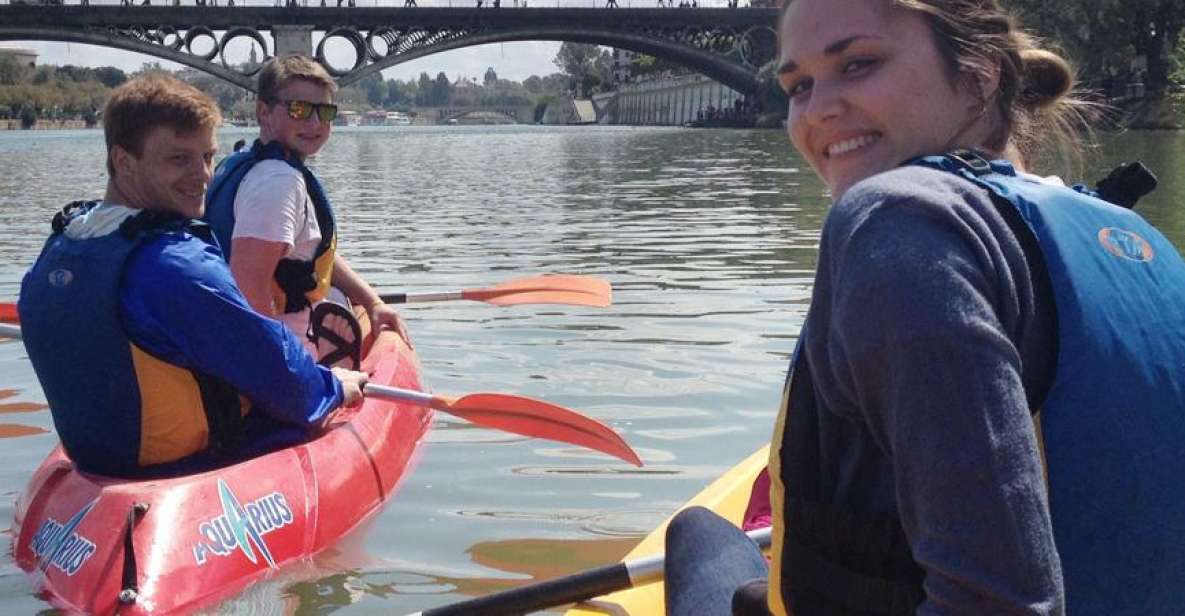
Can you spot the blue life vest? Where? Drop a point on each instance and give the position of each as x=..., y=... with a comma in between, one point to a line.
x=104, y=392
x=1112, y=423
x=297, y=283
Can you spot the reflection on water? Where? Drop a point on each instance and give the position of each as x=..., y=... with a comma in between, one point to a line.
x=709, y=238
x=512, y=562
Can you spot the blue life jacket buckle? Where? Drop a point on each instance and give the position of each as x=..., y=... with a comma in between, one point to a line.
x=972, y=161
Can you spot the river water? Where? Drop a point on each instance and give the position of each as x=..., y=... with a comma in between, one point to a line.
x=709, y=239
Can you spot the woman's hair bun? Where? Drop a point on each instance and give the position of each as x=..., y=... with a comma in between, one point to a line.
x=1047, y=78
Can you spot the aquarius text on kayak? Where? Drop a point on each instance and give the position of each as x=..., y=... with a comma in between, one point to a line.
x=58, y=545
x=241, y=526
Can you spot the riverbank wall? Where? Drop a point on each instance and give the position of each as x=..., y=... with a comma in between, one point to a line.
x=671, y=101
x=44, y=125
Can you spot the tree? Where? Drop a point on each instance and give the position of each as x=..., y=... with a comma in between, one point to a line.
x=110, y=76
x=376, y=90
x=1113, y=39
x=397, y=93
x=424, y=93
x=43, y=75
x=28, y=118
x=151, y=67
x=585, y=65
x=11, y=71
x=441, y=91
x=491, y=78
x=643, y=64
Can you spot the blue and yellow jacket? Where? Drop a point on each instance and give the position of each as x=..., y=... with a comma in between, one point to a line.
x=148, y=353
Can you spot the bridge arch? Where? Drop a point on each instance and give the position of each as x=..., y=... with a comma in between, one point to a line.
x=128, y=43
x=728, y=45
x=741, y=77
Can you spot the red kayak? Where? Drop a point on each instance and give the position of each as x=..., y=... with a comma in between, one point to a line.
x=98, y=545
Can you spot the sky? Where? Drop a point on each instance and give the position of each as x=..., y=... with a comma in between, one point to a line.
x=515, y=61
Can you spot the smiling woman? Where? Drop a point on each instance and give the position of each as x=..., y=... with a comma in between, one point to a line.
x=907, y=475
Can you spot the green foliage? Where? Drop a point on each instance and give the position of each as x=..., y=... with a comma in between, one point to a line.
x=28, y=118
x=110, y=76
x=43, y=74
x=441, y=92
x=770, y=96
x=75, y=92
x=646, y=65
x=11, y=71
x=55, y=99
x=1113, y=42
x=424, y=90
x=589, y=68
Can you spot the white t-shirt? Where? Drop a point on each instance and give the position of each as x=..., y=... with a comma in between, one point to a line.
x=273, y=205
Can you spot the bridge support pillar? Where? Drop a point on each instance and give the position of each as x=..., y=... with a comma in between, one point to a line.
x=293, y=39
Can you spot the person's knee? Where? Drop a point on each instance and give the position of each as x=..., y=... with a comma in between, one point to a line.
x=691, y=519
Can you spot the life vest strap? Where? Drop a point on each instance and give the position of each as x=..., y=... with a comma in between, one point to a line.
x=296, y=279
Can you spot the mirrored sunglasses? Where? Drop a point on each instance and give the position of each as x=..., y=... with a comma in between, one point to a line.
x=301, y=110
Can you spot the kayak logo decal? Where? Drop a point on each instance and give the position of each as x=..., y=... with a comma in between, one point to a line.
x=242, y=526
x=1126, y=244
x=57, y=545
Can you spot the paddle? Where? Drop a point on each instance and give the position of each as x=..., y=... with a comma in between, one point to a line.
x=544, y=289
x=570, y=588
x=10, y=331
x=520, y=415
x=511, y=413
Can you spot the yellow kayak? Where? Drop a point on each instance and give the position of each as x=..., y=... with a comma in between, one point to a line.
x=727, y=496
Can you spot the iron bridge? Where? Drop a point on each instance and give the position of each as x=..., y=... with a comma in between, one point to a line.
x=729, y=45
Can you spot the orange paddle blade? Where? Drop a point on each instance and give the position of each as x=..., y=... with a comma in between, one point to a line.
x=546, y=289
x=8, y=313
x=531, y=417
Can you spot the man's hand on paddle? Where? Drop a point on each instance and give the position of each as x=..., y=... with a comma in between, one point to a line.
x=352, y=384
x=382, y=315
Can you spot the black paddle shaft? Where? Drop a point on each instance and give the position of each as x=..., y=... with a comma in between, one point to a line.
x=552, y=593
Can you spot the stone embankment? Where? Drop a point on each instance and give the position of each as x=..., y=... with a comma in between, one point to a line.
x=44, y=124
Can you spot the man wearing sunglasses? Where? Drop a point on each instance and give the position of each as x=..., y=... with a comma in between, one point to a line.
x=272, y=216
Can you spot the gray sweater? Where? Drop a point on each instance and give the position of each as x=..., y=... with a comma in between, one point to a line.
x=929, y=339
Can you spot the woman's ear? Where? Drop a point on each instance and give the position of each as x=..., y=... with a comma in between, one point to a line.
x=981, y=86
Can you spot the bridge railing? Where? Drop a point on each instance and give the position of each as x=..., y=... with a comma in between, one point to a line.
x=485, y=4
